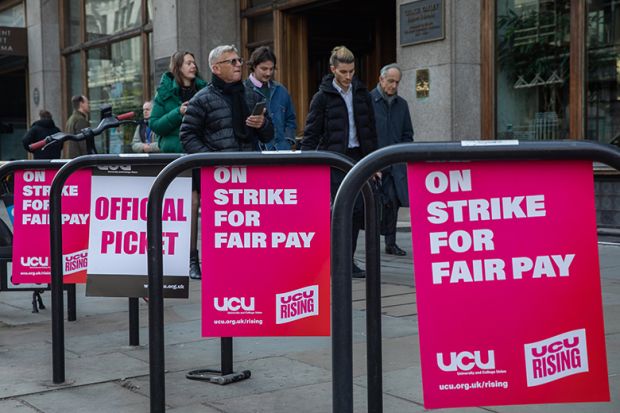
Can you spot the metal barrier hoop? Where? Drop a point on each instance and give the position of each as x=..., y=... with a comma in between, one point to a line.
x=58, y=339
x=154, y=235
x=342, y=349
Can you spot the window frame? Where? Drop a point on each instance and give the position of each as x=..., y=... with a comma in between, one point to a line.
x=143, y=31
x=577, y=68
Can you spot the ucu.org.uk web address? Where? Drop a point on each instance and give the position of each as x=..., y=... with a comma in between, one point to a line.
x=484, y=384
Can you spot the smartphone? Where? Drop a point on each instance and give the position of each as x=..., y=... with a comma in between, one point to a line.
x=258, y=108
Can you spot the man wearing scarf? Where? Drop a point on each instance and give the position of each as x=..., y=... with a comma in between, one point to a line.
x=218, y=118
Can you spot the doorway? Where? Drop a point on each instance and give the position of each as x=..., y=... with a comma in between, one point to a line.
x=13, y=107
x=305, y=35
x=367, y=28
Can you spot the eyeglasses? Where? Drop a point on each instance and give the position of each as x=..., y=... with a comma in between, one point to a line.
x=232, y=61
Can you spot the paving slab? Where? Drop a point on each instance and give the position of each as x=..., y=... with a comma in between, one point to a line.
x=269, y=374
x=308, y=399
x=16, y=406
x=100, y=398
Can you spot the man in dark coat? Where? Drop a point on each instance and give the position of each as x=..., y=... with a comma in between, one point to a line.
x=218, y=118
x=41, y=129
x=393, y=126
x=341, y=119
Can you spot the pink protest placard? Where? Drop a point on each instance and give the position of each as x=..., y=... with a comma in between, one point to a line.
x=265, y=251
x=507, y=283
x=31, y=245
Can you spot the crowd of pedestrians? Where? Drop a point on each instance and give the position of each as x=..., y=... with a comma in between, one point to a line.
x=191, y=115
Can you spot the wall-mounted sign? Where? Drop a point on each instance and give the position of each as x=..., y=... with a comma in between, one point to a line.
x=36, y=96
x=422, y=83
x=421, y=21
x=13, y=41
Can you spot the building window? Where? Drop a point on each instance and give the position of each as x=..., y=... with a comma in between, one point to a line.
x=532, y=63
x=104, y=51
x=115, y=77
x=106, y=17
x=13, y=16
x=603, y=74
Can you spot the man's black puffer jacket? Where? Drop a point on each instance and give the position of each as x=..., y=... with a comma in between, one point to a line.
x=327, y=125
x=207, y=124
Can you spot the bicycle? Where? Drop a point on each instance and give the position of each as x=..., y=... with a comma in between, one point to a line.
x=108, y=120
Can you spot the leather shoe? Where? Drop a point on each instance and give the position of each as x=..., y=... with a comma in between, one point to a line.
x=394, y=250
x=358, y=272
x=194, y=266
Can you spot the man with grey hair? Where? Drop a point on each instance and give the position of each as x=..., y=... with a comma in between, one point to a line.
x=393, y=126
x=219, y=117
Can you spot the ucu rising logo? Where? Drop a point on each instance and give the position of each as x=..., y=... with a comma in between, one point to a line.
x=556, y=357
x=466, y=360
x=234, y=304
x=42, y=262
x=297, y=304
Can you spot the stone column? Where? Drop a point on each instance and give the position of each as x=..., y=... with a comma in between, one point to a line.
x=44, y=88
x=452, y=109
x=192, y=25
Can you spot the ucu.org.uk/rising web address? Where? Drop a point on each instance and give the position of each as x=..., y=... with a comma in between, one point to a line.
x=484, y=384
x=243, y=321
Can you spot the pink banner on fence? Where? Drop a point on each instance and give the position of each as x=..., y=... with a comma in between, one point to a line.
x=507, y=283
x=265, y=251
x=31, y=229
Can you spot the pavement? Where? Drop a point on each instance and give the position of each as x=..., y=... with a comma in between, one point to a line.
x=104, y=374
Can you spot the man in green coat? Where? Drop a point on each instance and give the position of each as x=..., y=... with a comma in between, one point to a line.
x=76, y=122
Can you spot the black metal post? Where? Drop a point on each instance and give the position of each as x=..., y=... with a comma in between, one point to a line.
x=226, y=348
x=58, y=329
x=374, y=359
x=134, y=321
x=342, y=372
x=71, y=303
x=154, y=230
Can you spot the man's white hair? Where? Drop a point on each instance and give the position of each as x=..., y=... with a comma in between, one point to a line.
x=216, y=53
x=385, y=69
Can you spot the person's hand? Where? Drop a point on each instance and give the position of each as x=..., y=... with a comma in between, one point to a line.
x=256, y=121
x=183, y=108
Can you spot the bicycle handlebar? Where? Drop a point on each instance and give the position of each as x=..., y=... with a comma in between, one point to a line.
x=106, y=123
x=125, y=116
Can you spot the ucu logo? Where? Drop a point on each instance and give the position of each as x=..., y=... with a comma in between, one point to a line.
x=77, y=256
x=114, y=167
x=466, y=360
x=297, y=297
x=35, y=261
x=555, y=347
x=234, y=304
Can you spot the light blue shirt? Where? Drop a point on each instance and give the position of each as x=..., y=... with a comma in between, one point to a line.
x=348, y=100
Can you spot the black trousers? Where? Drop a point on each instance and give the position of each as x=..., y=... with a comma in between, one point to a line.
x=390, y=221
x=358, y=209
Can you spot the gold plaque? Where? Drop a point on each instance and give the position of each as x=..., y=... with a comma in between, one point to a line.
x=422, y=83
